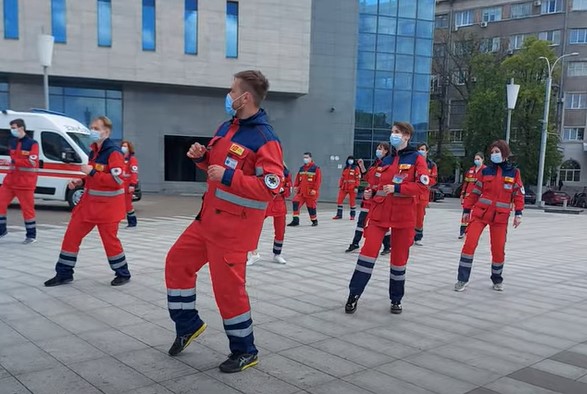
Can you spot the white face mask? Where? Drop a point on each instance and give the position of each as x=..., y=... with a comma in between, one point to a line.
x=307, y=160
x=124, y=149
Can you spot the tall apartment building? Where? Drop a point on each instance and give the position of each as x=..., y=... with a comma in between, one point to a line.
x=504, y=25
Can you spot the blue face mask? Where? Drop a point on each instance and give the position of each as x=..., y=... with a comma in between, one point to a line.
x=228, y=105
x=15, y=133
x=478, y=163
x=422, y=152
x=379, y=153
x=496, y=158
x=395, y=140
x=94, y=135
x=350, y=162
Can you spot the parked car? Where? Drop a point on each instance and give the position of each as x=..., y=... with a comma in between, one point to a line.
x=530, y=196
x=448, y=189
x=553, y=197
x=579, y=200
x=436, y=194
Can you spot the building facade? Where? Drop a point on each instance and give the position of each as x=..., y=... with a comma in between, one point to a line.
x=161, y=69
x=503, y=26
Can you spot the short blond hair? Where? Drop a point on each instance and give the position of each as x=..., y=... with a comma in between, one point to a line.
x=105, y=121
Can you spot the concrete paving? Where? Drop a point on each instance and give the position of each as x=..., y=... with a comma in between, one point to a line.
x=88, y=337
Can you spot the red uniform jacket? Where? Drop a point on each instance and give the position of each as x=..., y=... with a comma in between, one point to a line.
x=103, y=199
x=131, y=170
x=370, y=177
x=469, y=181
x=407, y=171
x=433, y=176
x=308, y=181
x=497, y=188
x=23, y=172
x=350, y=178
x=234, y=209
x=277, y=206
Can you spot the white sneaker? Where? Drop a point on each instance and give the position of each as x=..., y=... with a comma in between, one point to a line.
x=460, y=286
x=498, y=286
x=253, y=258
x=418, y=243
x=279, y=259
x=29, y=241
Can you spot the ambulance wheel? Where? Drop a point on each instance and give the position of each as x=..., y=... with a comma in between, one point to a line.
x=74, y=196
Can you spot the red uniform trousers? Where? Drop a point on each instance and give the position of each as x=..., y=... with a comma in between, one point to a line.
x=352, y=200
x=131, y=217
x=498, y=235
x=26, y=199
x=279, y=229
x=401, y=240
x=311, y=202
x=420, y=213
x=187, y=256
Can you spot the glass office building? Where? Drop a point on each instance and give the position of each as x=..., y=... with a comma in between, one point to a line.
x=393, y=69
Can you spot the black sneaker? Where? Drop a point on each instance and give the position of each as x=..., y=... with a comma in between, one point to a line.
x=294, y=222
x=351, y=304
x=351, y=248
x=120, y=280
x=314, y=223
x=57, y=281
x=385, y=251
x=238, y=362
x=4, y=234
x=396, y=309
x=181, y=342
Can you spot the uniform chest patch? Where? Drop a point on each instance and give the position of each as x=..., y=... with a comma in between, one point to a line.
x=509, y=179
x=237, y=149
x=508, y=186
x=399, y=178
x=99, y=167
x=25, y=152
x=272, y=181
x=230, y=162
x=405, y=166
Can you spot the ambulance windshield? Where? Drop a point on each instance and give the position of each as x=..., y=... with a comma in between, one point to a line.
x=82, y=140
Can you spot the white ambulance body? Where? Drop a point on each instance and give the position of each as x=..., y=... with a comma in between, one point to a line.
x=63, y=148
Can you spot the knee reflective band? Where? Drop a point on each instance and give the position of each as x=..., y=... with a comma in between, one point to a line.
x=182, y=310
x=496, y=272
x=465, y=265
x=31, y=228
x=117, y=261
x=397, y=280
x=67, y=258
x=277, y=246
x=239, y=330
x=181, y=299
x=362, y=274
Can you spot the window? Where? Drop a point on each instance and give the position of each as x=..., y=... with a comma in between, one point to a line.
x=459, y=77
x=492, y=14
x=576, y=100
x=11, y=19
x=456, y=136
x=578, y=36
x=54, y=146
x=232, y=29
x=149, y=29
x=554, y=36
x=570, y=171
x=178, y=167
x=579, y=5
x=573, y=133
x=551, y=6
x=490, y=45
x=441, y=21
x=435, y=83
x=104, y=23
x=58, y=21
x=577, y=69
x=191, y=27
x=463, y=18
x=517, y=41
x=521, y=10
x=3, y=96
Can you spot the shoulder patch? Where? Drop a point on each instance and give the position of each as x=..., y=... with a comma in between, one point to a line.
x=116, y=171
x=424, y=179
x=272, y=181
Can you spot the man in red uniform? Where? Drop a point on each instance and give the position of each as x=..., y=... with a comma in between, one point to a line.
x=424, y=199
x=348, y=184
x=131, y=180
x=401, y=179
x=102, y=205
x=244, y=162
x=21, y=180
x=306, y=190
x=469, y=184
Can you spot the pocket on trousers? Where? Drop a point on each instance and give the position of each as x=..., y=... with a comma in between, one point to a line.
x=235, y=258
x=479, y=211
x=501, y=217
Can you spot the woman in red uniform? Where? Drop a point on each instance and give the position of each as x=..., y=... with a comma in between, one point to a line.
x=401, y=179
x=469, y=184
x=423, y=149
x=348, y=184
x=498, y=187
x=278, y=210
x=131, y=180
x=102, y=206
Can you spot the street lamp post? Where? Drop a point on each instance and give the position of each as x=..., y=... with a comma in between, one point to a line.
x=512, y=92
x=544, y=135
x=45, y=51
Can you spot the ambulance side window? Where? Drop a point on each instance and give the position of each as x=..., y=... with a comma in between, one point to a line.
x=4, y=138
x=56, y=148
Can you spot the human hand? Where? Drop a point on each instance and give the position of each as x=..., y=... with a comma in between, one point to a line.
x=389, y=189
x=131, y=189
x=517, y=221
x=216, y=172
x=74, y=183
x=466, y=217
x=86, y=169
x=196, y=151
x=295, y=190
x=312, y=192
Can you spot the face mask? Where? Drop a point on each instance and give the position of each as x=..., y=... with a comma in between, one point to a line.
x=15, y=133
x=422, y=152
x=228, y=101
x=395, y=140
x=478, y=163
x=350, y=162
x=94, y=135
x=496, y=158
x=379, y=153
x=124, y=149
x=307, y=160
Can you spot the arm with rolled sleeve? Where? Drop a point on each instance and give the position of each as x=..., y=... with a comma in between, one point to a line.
x=112, y=179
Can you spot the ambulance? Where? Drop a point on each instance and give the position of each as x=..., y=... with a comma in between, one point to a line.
x=64, y=145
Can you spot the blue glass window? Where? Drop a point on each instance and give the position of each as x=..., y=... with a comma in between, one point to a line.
x=366, y=60
x=365, y=100
x=423, y=64
x=367, y=24
x=367, y=42
x=11, y=19
x=191, y=27
x=426, y=10
x=403, y=81
x=425, y=29
x=422, y=82
x=58, y=21
x=420, y=103
x=423, y=47
x=384, y=80
x=104, y=23
x=405, y=63
x=365, y=78
x=407, y=8
x=3, y=95
x=368, y=6
x=232, y=29
x=364, y=133
x=385, y=61
x=385, y=43
x=405, y=45
x=388, y=7
x=406, y=27
x=402, y=101
x=382, y=105
x=149, y=28
x=386, y=25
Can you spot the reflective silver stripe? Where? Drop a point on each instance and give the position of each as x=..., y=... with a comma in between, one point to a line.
x=367, y=258
x=381, y=193
x=366, y=270
x=397, y=277
x=69, y=254
x=485, y=201
x=237, y=319
x=105, y=193
x=29, y=225
x=467, y=256
x=398, y=267
x=364, y=209
x=275, y=247
x=502, y=205
x=479, y=184
x=27, y=169
x=359, y=229
x=118, y=265
x=118, y=256
x=182, y=305
x=66, y=262
x=497, y=271
x=465, y=264
x=476, y=191
x=259, y=171
x=181, y=292
x=243, y=202
x=126, y=176
x=240, y=333
x=117, y=179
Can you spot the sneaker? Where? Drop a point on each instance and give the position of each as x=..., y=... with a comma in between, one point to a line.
x=385, y=251
x=29, y=241
x=238, y=362
x=498, y=286
x=351, y=248
x=460, y=286
x=337, y=217
x=294, y=222
x=120, y=280
x=181, y=342
x=396, y=309
x=418, y=243
x=253, y=258
x=279, y=259
x=4, y=234
x=129, y=227
x=314, y=223
x=351, y=304
x=461, y=236
x=57, y=281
